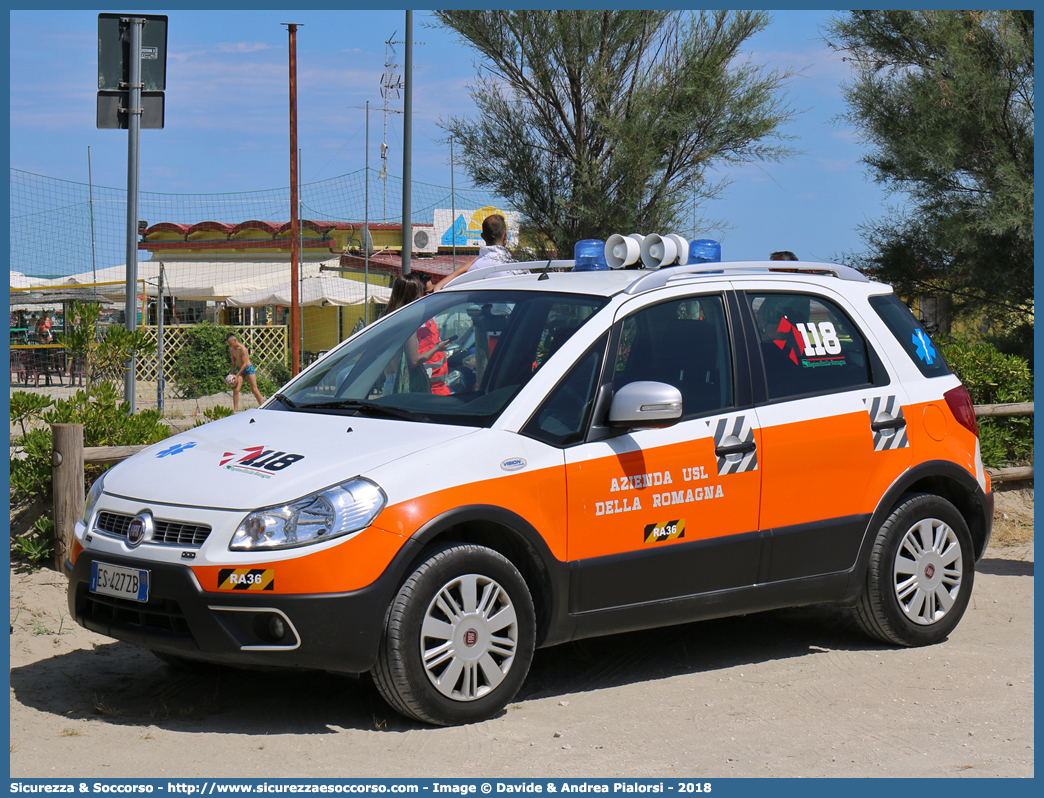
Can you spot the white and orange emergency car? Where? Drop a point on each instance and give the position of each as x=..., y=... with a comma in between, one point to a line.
x=620, y=449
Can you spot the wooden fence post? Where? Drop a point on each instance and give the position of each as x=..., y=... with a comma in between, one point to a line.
x=67, y=472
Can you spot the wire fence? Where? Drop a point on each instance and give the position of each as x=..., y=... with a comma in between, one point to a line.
x=64, y=232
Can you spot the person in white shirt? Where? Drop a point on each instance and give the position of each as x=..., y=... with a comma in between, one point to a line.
x=495, y=251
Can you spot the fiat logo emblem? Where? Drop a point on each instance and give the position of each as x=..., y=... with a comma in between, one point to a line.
x=929, y=571
x=470, y=638
x=138, y=529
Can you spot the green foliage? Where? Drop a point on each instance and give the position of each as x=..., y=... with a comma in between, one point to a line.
x=994, y=378
x=103, y=352
x=213, y=414
x=36, y=545
x=203, y=361
x=27, y=408
x=31, y=472
x=944, y=100
x=596, y=122
x=106, y=422
x=272, y=376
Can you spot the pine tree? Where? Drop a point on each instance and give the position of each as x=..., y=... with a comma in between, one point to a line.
x=598, y=122
x=944, y=99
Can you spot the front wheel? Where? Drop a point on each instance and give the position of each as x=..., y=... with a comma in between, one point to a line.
x=458, y=639
x=920, y=576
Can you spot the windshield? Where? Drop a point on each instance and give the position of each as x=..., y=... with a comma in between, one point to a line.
x=454, y=357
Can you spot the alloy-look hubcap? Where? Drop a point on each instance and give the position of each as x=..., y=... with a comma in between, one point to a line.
x=468, y=637
x=927, y=572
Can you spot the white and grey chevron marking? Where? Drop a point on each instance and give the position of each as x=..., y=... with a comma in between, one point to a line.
x=882, y=408
x=739, y=430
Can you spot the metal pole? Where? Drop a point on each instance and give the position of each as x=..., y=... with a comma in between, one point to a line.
x=366, y=224
x=160, y=378
x=90, y=189
x=133, y=138
x=453, y=209
x=295, y=299
x=407, y=147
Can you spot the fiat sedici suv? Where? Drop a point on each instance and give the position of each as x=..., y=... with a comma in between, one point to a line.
x=611, y=450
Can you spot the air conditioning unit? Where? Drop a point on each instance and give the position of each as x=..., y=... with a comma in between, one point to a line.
x=425, y=239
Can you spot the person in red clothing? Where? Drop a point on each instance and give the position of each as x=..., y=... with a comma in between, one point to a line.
x=428, y=339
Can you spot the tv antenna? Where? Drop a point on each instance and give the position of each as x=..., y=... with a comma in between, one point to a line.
x=391, y=86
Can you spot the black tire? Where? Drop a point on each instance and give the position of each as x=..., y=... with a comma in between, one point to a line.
x=470, y=673
x=919, y=580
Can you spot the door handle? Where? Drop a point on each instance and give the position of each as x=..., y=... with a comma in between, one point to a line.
x=736, y=448
x=892, y=423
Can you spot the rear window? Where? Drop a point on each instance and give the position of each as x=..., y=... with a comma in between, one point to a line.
x=910, y=335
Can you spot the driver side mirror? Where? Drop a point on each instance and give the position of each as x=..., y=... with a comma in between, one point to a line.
x=645, y=405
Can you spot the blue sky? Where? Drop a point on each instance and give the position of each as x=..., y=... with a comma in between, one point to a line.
x=227, y=124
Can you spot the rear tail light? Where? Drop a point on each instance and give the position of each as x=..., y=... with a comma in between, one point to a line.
x=963, y=410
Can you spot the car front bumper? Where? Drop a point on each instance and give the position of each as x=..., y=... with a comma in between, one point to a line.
x=334, y=632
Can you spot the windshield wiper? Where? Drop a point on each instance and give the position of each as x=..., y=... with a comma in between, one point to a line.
x=370, y=408
x=286, y=401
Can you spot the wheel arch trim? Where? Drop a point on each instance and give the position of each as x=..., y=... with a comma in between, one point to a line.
x=517, y=538
x=929, y=477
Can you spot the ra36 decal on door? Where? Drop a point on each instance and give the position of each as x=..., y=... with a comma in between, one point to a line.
x=669, y=530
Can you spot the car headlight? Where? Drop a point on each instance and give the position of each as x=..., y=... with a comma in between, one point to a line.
x=93, y=495
x=338, y=510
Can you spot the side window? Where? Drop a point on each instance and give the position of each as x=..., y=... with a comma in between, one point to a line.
x=684, y=343
x=910, y=335
x=808, y=346
x=564, y=414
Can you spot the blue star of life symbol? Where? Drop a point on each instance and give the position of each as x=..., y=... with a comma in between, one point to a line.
x=925, y=350
x=177, y=448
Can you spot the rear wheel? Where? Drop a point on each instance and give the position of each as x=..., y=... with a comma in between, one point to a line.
x=920, y=576
x=459, y=637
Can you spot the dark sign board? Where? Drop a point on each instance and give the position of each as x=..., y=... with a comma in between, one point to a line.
x=112, y=110
x=114, y=52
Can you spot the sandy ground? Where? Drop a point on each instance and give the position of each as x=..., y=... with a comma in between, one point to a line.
x=791, y=693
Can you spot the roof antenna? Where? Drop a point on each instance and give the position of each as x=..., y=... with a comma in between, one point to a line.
x=543, y=274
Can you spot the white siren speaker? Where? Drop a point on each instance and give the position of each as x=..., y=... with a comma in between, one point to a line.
x=621, y=251
x=659, y=251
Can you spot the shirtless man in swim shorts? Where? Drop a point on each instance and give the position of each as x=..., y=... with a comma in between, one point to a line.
x=242, y=370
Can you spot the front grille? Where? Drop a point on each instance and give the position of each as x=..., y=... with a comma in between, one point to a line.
x=158, y=616
x=177, y=534
x=169, y=533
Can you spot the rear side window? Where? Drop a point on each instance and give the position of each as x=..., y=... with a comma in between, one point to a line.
x=808, y=346
x=910, y=335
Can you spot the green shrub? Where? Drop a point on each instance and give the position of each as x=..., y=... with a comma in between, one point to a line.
x=271, y=376
x=995, y=378
x=213, y=414
x=36, y=545
x=106, y=422
x=203, y=361
x=102, y=352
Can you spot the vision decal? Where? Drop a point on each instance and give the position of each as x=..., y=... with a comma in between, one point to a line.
x=259, y=461
x=669, y=530
x=246, y=579
x=887, y=423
